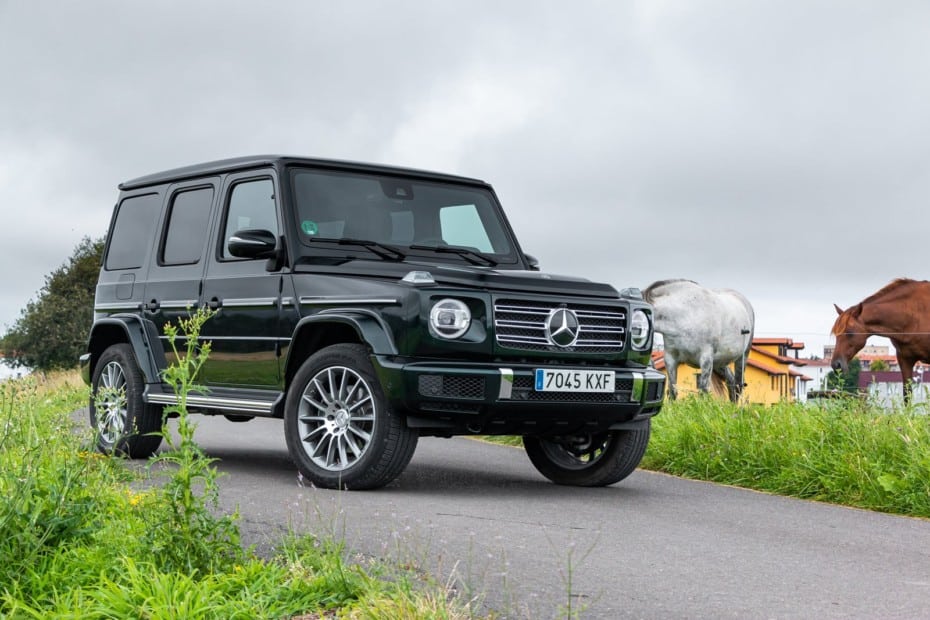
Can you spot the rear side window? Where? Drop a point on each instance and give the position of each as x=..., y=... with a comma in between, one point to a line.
x=131, y=238
x=186, y=230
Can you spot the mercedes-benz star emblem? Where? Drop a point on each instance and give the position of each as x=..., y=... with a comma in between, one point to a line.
x=562, y=327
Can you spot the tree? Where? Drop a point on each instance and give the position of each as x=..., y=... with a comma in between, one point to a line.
x=879, y=366
x=52, y=329
x=846, y=381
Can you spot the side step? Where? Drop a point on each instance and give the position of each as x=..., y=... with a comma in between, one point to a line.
x=263, y=403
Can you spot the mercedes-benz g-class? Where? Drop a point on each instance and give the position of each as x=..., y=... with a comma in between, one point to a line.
x=366, y=306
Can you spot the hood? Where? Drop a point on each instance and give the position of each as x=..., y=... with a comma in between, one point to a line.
x=498, y=280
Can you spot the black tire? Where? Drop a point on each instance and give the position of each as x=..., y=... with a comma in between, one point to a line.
x=341, y=432
x=126, y=425
x=588, y=460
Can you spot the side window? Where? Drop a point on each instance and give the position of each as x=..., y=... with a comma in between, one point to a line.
x=131, y=237
x=186, y=230
x=461, y=225
x=251, y=206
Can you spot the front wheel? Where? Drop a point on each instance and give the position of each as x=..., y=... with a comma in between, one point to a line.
x=588, y=460
x=123, y=422
x=341, y=432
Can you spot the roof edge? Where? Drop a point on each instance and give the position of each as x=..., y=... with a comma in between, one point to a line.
x=236, y=164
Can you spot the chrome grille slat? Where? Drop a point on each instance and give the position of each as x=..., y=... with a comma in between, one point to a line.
x=522, y=325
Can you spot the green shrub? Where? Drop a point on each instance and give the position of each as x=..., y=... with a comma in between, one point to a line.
x=77, y=535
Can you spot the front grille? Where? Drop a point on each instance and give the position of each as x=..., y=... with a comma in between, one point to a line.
x=451, y=386
x=521, y=324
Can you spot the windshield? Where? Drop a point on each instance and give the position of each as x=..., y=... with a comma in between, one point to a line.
x=416, y=217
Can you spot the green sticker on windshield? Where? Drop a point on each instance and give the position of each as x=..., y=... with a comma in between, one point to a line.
x=309, y=227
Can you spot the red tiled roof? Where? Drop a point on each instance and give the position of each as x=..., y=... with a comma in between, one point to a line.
x=788, y=342
x=780, y=358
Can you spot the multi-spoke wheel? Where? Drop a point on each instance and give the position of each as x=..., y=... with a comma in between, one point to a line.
x=123, y=422
x=341, y=432
x=588, y=460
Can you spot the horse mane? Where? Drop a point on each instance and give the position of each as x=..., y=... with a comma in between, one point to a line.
x=889, y=288
x=842, y=321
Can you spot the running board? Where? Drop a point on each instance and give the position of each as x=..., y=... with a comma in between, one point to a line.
x=261, y=407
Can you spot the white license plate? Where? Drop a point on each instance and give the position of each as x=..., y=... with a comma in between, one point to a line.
x=549, y=380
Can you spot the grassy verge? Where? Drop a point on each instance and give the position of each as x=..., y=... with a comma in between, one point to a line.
x=843, y=452
x=78, y=541
x=846, y=453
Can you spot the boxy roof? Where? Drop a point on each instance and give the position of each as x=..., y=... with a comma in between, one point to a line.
x=237, y=164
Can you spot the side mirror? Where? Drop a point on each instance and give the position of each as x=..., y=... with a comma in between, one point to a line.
x=532, y=262
x=252, y=244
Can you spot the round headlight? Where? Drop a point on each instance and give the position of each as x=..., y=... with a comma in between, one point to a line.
x=639, y=330
x=449, y=318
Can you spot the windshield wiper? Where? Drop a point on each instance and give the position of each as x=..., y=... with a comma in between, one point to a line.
x=383, y=250
x=472, y=256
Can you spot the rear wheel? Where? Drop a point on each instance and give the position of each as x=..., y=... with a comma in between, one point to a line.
x=341, y=432
x=124, y=424
x=588, y=460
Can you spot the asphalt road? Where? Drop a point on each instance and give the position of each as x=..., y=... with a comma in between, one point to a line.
x=653, y=546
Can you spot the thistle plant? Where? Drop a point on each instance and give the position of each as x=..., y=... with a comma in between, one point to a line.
x=186, y=534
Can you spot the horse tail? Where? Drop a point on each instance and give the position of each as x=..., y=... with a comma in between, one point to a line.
x=718, y=385
x=740, y=366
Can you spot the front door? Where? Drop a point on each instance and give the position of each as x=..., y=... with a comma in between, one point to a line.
x=245, y=330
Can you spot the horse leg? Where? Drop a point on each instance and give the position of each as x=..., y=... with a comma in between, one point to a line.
x=739, y=376
x=707, y=367
x=907, y=375
x=732, y=387
x=671, y=369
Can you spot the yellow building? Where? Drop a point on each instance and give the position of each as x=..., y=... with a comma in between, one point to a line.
x=769, y=379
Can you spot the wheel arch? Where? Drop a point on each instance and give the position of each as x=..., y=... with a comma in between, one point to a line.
x=132, y=330
x=331, y=327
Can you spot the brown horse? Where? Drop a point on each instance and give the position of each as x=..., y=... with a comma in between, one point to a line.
x=900, y=312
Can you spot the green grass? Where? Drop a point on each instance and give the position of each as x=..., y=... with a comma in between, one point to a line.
x=846, y=452
x=76, y=540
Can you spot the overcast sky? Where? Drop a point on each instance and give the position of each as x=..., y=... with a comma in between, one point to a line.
x=778, y=148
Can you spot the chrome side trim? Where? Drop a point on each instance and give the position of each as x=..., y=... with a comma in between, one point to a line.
x=287, y=301
x=127, y=305
x=639, y=385
x=211, y=402
x=506, y=384
x=349, y=300
x=250, y=301
x=178, y=304
x=235, y=338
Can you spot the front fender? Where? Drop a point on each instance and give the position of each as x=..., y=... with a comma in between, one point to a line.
x=367, y=325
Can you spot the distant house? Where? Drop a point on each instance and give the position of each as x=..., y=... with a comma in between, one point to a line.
x=773, y=374
x=885, y=388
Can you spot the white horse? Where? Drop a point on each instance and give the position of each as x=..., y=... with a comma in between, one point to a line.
x=705, y=328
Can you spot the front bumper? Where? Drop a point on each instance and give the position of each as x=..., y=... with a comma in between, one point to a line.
x=500, y=399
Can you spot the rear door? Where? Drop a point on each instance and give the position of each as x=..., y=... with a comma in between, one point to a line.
x=173, y=286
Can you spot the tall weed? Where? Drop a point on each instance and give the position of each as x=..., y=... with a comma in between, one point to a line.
x=185, y=531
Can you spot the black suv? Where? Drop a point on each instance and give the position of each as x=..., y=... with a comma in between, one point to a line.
x=365, y=305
